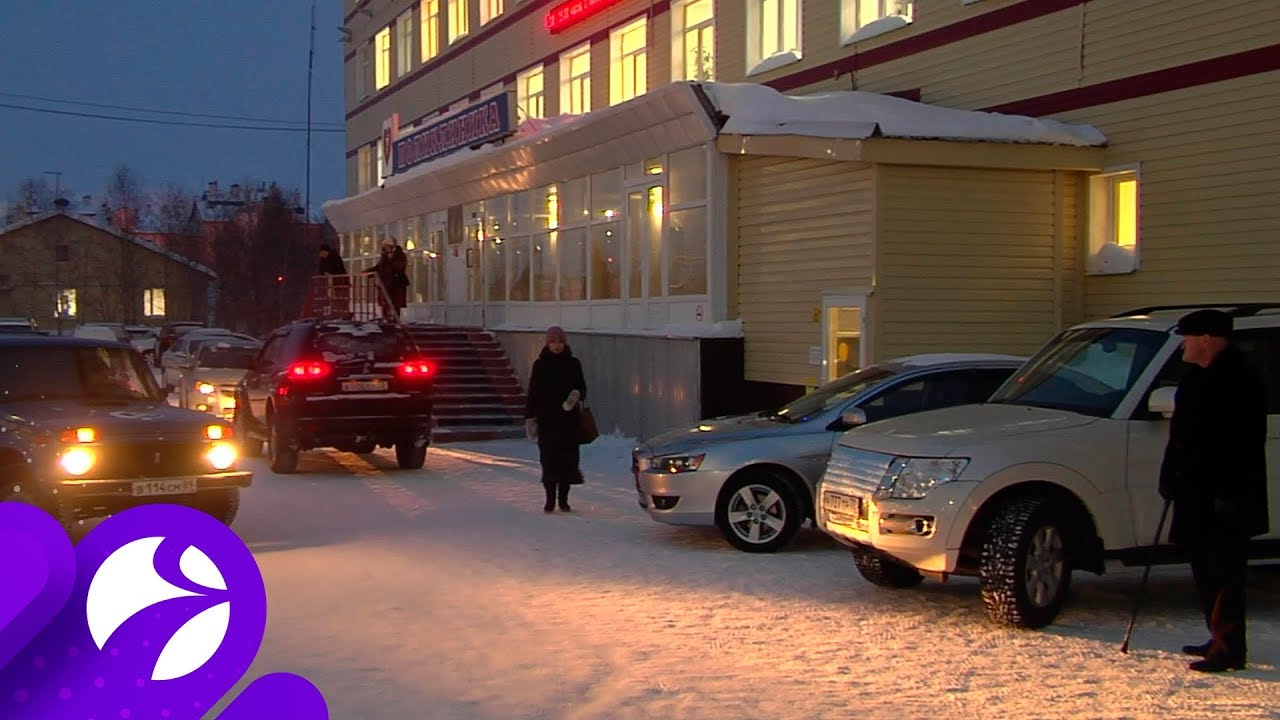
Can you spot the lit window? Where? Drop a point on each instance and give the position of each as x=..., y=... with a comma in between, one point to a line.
x=529, y=93
x=459, y=23
x=363, y=71
x=381, y=165
x=429, y=12
x=364, y=168
x=575, y=81
x=404, y=43
x=490, y=9
x=153, y=302
x=382, y=58
x=66, y=303
x=694, y=31
x=1114, y=222
x=857, y=14
x=628, y=61
x=773, y=29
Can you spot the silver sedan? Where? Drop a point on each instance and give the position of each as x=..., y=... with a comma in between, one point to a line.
x=753, y=475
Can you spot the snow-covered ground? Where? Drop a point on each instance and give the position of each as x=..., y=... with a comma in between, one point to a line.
x=448, y=593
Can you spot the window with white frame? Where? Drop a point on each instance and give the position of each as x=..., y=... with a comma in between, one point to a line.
x=382, y=58
x=693, y=55
x=857, y=15
x=429, y=33
x=404, y=43
x=773, y=33
x=363, y=71
x=628, y=61
x=153, y=302
x=530, y=98
x=1114, y=221
x=490, y=9
x=65, y=304
x=364, y=168
x=459, y=23
x=575, y=81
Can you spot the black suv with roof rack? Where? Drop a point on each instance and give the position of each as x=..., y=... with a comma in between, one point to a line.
x=85, y=432
x=346, y=384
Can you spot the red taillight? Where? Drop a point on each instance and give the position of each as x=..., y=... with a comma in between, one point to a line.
x=309, y=370
x=415, y=370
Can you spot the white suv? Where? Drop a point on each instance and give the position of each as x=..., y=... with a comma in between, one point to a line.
x=1056, y=472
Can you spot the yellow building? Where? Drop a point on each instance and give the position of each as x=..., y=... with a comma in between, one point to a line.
x=600, y=164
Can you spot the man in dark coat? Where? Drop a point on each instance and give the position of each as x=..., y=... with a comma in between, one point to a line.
x=330, y=262
x=556, y=391
x=333, y=294
x=1215, y=472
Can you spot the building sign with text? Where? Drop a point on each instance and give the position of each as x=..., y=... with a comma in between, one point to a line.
x=490, y=119
x=573, y=12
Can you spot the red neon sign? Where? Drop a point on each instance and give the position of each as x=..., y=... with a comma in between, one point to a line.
x=573, y=12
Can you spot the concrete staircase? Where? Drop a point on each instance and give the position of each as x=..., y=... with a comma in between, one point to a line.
x=477, y=394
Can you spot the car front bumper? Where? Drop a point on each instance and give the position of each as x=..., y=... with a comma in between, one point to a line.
x=680, y=498
x=157, y=489
x=913, y=531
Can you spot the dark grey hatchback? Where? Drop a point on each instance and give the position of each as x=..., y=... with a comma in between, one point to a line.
x=85, y=432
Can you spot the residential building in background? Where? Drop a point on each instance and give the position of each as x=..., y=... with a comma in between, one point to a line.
x=646, y=175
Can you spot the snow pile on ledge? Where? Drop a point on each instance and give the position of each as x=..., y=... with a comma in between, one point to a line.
x=723, y=329
x=853, y=114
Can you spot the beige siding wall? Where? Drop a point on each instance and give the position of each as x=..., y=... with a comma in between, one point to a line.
x=967, y=260
x=1210, y=194
x=803, y=226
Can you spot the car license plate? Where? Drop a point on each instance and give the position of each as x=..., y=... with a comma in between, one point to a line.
x=177, y=486
x=364, y=385
x=841, y=504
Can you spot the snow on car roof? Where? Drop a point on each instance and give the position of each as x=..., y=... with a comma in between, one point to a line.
x=939, y=358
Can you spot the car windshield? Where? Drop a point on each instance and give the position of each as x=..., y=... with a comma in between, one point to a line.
x=88, y=373
x=832, y=394
x=1086, y=370
x=339, y=343
x=221, y=355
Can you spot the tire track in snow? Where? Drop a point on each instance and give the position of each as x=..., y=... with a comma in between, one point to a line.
x=401, y=499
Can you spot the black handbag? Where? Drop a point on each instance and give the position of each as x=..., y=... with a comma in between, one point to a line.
x=587, y=430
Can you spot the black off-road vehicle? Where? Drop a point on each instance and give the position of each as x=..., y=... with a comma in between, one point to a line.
x=346, y=384
x=86, y=432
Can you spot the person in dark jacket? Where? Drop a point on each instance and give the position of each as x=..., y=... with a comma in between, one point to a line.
x=556, y=392
x=330, y=262
x=333, y=294
x=391, y=269
x=1215, y=473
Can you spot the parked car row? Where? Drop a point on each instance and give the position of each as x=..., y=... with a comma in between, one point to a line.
x=933, y=474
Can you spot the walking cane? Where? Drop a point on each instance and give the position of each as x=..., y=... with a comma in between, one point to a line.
x=1146, y=572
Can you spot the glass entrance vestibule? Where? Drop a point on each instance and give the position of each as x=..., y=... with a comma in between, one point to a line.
x=628, y=248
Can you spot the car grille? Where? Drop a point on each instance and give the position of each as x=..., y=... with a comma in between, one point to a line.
x=858, y=470
x=150, y=459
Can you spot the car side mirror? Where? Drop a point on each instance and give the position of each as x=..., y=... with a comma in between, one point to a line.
x=852, y=418
x=1161, y=401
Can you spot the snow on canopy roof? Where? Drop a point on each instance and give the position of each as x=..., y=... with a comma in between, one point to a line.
x=854, y=114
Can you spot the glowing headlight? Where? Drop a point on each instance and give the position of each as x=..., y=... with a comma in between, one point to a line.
x=913, y=478
x=677, y=463
x=205, y=388
x=77, y=461
x=222, y=455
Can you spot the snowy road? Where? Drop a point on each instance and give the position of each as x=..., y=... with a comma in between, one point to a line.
x=447, y=593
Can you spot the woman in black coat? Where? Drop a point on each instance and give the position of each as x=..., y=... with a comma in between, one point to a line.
x=556, y=391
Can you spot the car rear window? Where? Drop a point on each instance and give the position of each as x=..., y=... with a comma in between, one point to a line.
x=235, y=357
x=338, y=343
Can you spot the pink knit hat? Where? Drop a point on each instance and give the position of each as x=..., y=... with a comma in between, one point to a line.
x=555, y=332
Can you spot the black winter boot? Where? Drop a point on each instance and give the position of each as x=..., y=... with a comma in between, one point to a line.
x=564, y=497
x=550, y=504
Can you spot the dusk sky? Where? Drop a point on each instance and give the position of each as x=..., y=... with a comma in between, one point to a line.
x=231, y=58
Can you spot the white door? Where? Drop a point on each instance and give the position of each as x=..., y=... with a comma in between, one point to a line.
x=844, y=326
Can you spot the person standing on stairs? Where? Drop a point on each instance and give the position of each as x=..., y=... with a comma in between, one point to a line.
x=556, y=391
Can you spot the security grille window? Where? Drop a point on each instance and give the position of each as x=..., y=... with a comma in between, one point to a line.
x=490, y=9
x=858, y=14
x=1114, y=222
x=404, y=43
x=628, y=61
x=694, y=54
x=773, y=33
x=65, y=305
x=153, y=302
x=459, y=23
x=363, y=72
x=529, y=94
x=429, y=33
x=575, y=83
x=382, y=59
